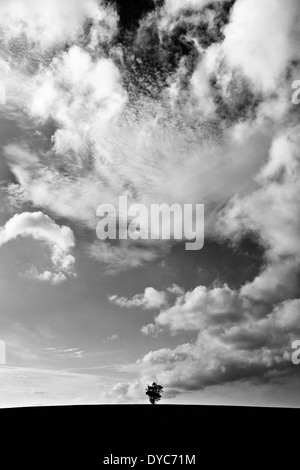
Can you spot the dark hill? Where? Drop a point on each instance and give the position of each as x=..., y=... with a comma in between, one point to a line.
x=88, y=434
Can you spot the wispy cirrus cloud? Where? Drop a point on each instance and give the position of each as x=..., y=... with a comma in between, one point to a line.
x=67, y=353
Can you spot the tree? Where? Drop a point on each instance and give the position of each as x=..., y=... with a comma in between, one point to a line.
x=154, y=392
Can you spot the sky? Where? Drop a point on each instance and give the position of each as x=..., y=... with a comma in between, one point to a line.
x=164, y=102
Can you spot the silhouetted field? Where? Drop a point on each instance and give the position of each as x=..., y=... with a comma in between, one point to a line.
x=87, y=434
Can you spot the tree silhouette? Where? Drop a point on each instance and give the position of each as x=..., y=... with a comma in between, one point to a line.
x=154, y=392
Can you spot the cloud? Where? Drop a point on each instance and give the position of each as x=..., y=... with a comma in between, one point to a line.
x=271, y=213
x=193, y=309
x=194, y=107
x=53, y=23
x=174, y=6
x=125, y=255
x=277, y=281
x=80, y=95
x=258, y=351
x=67, y=353
x=23, y=386
x=108, y=138
x=237, y=340
x=40, y=227
x=243, y=334
x=262, y=40
x=46, y=276
x=151, y=330
x=113, y=337
x=45, y=186
x=122, y=392
x=287, y=315
x=150, y=299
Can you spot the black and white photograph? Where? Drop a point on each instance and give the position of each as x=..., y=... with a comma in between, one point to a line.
x=149, y=232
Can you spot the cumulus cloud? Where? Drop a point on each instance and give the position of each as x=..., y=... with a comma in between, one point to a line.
x=272, y=212
x=46, y=276
x=151, y=330
x=245, y=333
x=81, y=95
x=53, y=23
x=150, y=299
x=236, y=340
x=277, y=281
x=40, y=227
x=122, y=392
x=262, y=40
x=193, y=308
